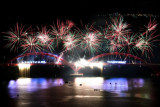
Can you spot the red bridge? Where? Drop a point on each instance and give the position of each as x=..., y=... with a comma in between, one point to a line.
x=65, y=62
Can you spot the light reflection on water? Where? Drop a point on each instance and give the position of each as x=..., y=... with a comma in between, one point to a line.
x=122, y=87
x=115, y=85
x=28, y=85
x=111, y=85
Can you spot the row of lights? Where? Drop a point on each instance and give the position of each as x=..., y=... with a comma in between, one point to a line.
x=33, y=62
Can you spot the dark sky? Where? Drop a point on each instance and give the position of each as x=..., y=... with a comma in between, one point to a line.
x=45, y=12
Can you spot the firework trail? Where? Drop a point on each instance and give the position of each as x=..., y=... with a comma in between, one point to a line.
x=45, y=39
x=118, y=28
x=129, y=43
x=70, y=41
x=15, y=37
x=61, y=30
x=43, y=36
x=91, y=40
x=116, y=34
x=115, y=37
x=31, y=44
x=118, y=38
x=145, y=44
x=58, y=59
x=151, y=25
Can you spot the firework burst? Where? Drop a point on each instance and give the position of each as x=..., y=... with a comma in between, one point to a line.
x=145, y=43
x=31, y=44
x=118, y=28
x=15, y=36
x=45, y=39
x=129, y=43
x=115, y=37
x=91, y=42
x=61, y=30
x=70, y=41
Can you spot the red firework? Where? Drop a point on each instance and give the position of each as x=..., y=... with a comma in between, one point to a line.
x=118, y=27
x=15, y=36
x=70, y=41
x=45, y=38
x=61, y=29
x=31, y=44
x=151, y=25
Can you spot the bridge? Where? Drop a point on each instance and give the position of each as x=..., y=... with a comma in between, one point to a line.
x=58, y=60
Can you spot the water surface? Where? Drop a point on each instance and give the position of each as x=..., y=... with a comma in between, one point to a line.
x=97, y=91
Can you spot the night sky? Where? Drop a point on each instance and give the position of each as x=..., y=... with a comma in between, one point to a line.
x=45, y=12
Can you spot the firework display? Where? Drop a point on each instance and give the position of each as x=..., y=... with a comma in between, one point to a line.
x=116, y=36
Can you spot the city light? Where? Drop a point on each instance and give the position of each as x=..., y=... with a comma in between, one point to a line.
x=84, y=63
x=33, y=62
x=116, y=62
x=22, y=66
